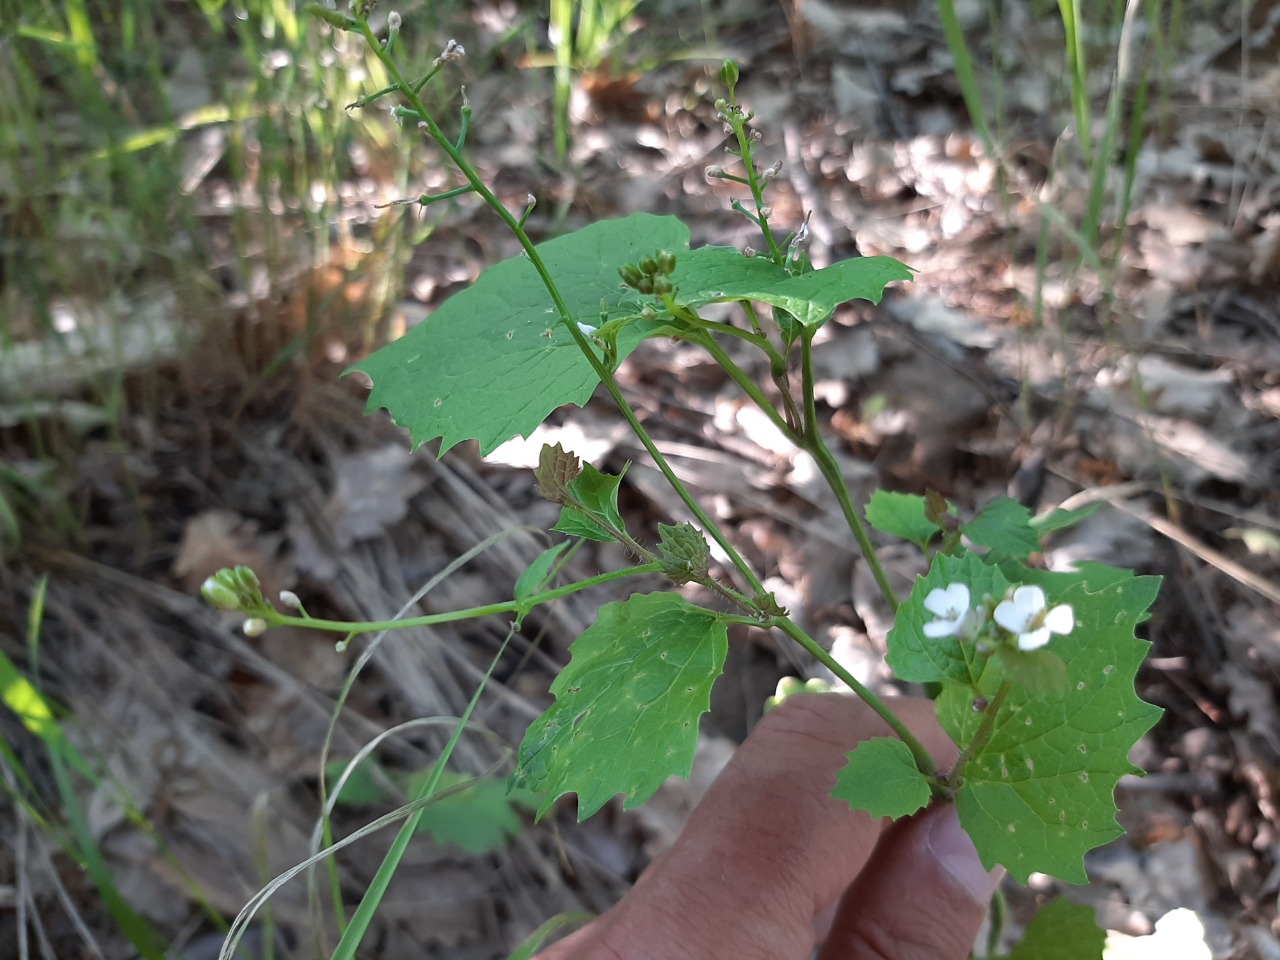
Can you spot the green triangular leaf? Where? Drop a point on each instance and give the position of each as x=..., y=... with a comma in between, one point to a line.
x=627, y=704
x=916, y=658
x=598, y=493
x=1039, y=793
x=1004, y=525
x=494, y=360
x=723, y=273
x=1061, y=930
x=901, y=515
x=478, y=818
x=881, y=778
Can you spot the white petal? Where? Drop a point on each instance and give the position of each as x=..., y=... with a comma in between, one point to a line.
x=949, y=602
x=1029, y=599
x=1060, y=619
x=940, y=628
x=1034, y=639
x=1010, y=617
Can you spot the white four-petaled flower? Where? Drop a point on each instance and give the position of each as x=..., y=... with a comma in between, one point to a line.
x=1024, y=614
x=950, y=605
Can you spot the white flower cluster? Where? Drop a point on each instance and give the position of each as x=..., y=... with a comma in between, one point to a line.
x=1024, y=613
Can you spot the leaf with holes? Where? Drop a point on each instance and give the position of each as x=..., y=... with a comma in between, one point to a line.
x=627, y=704
x=493, y=361
x=1038, y=793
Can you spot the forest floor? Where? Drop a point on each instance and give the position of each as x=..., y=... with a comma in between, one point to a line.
x=1135, y=364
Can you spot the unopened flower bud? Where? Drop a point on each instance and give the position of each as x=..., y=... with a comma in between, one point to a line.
x=729, y=73
x=645, y=285
x=766, y=212
x=254, y=627
x=714, y=172
x=290, y=600
x=219, y=595
x=666, y=262
x=246, y=579
x=748, y=252
x=393, y=21
x=648, y=265
x=630, y=274
x=648, y=313
x=662, y=286
x=772, y=171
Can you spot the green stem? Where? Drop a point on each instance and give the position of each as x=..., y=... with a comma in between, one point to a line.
x=565, y=316
x=748, y=386
x=983, y=732
x=811, y=440
x=522, y=607
x=924, y=761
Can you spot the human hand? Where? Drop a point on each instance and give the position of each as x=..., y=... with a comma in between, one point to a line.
x=769, y=862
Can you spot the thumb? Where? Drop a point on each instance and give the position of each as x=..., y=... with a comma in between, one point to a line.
x=921, y=896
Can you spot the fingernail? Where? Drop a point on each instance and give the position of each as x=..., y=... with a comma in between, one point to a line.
x=955, y=853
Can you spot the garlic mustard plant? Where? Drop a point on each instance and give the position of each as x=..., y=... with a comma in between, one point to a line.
x=1043, y=731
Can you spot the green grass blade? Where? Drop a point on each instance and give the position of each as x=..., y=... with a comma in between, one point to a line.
x=37, y=715
x=539, y=936
x=965, y=76
x=1077, y=58
x=363, y=916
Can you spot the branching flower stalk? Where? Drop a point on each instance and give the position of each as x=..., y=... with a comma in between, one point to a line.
x=564, y=315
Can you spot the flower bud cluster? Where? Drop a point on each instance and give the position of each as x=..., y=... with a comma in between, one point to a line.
x=651, y=276
x=234, y=588
x=238, y=589
x=1022, y=617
